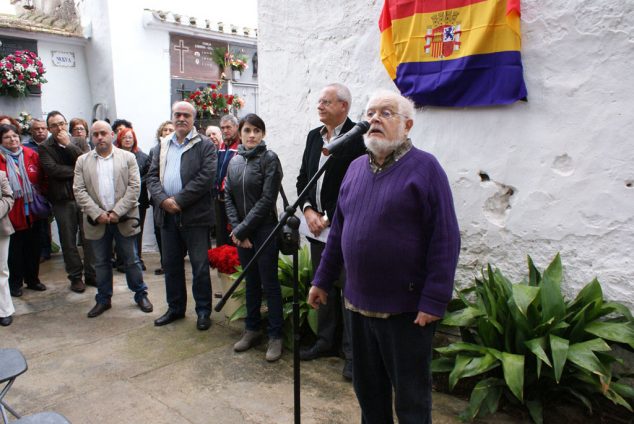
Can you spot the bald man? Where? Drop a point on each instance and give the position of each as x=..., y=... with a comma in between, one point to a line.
x=180, y=180
x=106, y=186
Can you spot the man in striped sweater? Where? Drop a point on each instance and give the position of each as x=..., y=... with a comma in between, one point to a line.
x=396, y=230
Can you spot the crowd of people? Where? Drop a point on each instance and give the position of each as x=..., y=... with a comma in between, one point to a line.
x=381, y=201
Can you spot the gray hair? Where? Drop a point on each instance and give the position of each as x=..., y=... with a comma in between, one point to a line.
x=405, y=105
x=229, y=117
x=194, y=112
x=343, y=93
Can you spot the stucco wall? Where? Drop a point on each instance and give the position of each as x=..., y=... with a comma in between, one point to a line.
x=565, y=155
x=68, y=89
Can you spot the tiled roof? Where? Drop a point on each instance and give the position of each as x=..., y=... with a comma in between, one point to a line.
x=35, y=21
x=203, y=24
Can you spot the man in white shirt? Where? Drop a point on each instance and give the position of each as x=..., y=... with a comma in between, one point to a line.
x=106, y=186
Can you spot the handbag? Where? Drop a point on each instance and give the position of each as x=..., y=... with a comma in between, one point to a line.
x=40, y=207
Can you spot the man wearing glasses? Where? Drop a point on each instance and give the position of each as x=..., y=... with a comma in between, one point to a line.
x=396, y=227
x=57, y=157
x=319, y=207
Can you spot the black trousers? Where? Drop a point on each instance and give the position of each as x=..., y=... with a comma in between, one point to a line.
x=333, y=319
x=392, y=354
x=24, y=256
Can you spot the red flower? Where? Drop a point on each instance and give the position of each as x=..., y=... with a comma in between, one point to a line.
x=214, y=95
x=224, y=258
x=204, y=107
x=213, y=86
x=20, y=77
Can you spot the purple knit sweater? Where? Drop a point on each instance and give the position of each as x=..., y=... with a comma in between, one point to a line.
x=397, y=233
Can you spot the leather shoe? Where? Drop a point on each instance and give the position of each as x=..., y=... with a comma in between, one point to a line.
x=91, y=282
x=203, y=323
x=6, y=321
x=313, y=352
x=347, y=370
x=145, y=305
x=167, y=317
x=159, y=271
x=78, y=286
x=16, y=292
x=99, y=309
x=37, y=286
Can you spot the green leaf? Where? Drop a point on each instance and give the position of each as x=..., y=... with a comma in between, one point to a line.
x=463, y=318
x=621, y=332
x=537, y=347
x=559, y=352
x=609, y=307
x=590, y=293
x=457, y=347
x=239, y=313
x=582, y=398
x=534, y=276
x=312, y=320
x=552, y=300
x=480, y=365
x=488, y=390
x=624, y=390
x=513, y=367
x=524, y=296
x=442, y=365
x=535, y=409
x=581, y=354
x=618, y=399
x=459, y=366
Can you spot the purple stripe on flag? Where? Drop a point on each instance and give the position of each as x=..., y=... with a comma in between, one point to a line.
x=478, y=80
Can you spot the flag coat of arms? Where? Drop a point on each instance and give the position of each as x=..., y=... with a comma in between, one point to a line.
x=454, y=52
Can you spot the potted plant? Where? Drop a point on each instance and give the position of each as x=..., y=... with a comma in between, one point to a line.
x=19, y=71
x=225, y=260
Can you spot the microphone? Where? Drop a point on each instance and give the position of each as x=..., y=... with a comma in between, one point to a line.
x=337, y=144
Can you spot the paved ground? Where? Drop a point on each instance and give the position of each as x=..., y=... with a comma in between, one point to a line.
x=120, y=368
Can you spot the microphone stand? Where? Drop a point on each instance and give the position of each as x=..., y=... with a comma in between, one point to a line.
x=289, y=224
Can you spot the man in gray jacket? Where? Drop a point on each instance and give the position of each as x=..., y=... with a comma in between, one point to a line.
x=107, y=185
x=180, y=181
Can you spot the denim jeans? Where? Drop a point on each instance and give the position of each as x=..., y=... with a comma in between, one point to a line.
x=69, y=221
x=262, y=277
x=392, y=352
x=175, y=240
x=102, y=249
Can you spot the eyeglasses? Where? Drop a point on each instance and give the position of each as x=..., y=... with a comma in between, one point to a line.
x=383, y=114
x=57, y=125
x=82, y=129
x=323, y=102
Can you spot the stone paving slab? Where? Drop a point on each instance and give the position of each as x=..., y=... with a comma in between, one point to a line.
x=120, y=368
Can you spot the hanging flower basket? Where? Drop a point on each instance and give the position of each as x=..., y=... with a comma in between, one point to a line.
x=19, y=71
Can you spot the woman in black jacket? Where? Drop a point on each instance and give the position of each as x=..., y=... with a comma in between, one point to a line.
x=254, y=177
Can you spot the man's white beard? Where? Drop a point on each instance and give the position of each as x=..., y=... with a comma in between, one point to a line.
x=382, y=147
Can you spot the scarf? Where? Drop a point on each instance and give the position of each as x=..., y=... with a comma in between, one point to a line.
x=25, y=189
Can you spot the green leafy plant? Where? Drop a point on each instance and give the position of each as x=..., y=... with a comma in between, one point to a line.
x=530, y=345
x=307, y=315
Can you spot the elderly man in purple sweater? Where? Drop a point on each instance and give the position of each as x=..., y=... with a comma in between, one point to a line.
x=396, y=230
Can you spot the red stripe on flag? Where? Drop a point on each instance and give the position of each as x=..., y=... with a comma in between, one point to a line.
x=513, y=6
x=399, y=9
x=385, y=21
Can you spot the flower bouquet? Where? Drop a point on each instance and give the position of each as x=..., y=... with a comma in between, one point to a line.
x=210, y=101
x=19, y=71
x=224, y=259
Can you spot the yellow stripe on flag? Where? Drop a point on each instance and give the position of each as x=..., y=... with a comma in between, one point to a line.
x=484, y=28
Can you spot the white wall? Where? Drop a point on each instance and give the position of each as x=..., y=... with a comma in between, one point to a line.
x=68, y=89
x=565, y=154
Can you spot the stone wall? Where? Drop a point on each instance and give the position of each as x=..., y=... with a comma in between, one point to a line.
x=551, y=175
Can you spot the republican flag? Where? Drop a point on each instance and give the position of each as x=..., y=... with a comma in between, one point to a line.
x=454, y=52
